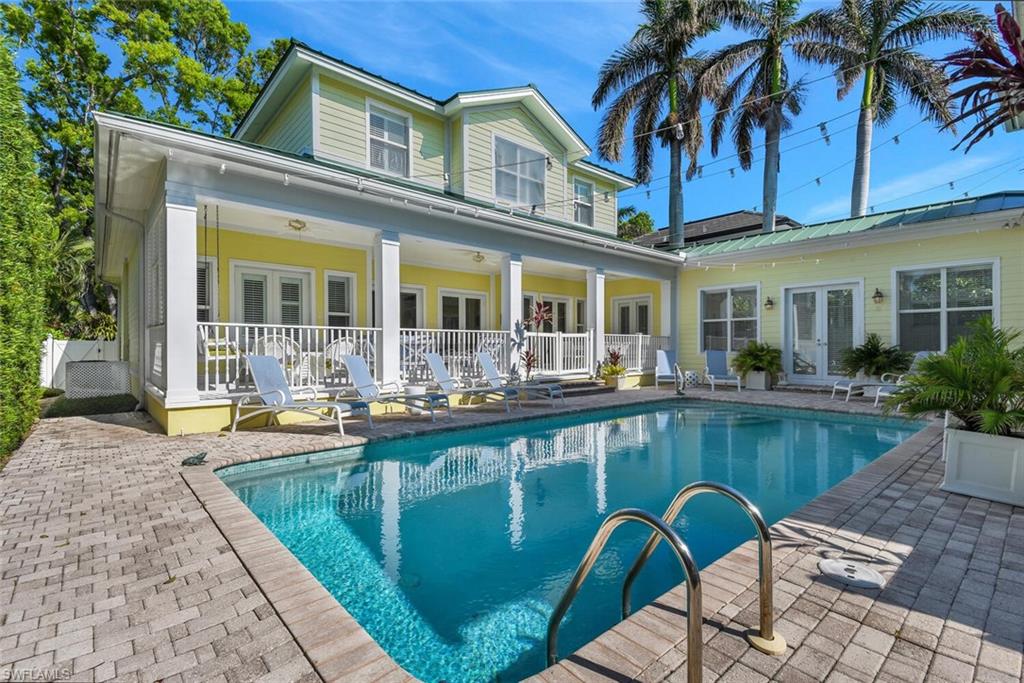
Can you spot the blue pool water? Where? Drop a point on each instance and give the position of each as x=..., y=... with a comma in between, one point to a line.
x=452, y=549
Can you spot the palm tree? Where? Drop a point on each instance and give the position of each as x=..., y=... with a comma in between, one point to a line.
x=754, y=73
x=649, y=79
x=997, y=96
x=874, y=40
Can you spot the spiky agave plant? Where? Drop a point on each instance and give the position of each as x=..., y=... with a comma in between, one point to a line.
x=979, y=380
x=994, y=92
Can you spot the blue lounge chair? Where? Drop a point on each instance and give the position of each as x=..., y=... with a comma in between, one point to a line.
x=495, y=380
x=666, y=369
x=717, y=370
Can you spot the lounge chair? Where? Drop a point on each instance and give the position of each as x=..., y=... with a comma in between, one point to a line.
x=666, y=369
x=887, y=383
x=275, y=396
x=369, y=391
x=495, y=380
x=717, y=370
x=891, y=382
x=449, y=385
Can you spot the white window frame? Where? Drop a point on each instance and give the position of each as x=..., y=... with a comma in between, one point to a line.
x=575, y=201
x=728, y=320
x=943, y=310
x=632, y=301
x=551, y=300
x=580, y=321
x=353, y=288
x=212, y=290
x=273, y=271
x=515, y=169
x=389, y=111
x=421, y=297
x=462, y=295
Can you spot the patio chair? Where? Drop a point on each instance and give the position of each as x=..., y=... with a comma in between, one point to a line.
x=369, y=391
x=494, y=379
x=275, y=396
x=285, y=350
x=887, y=383
x=891, y=382
x=449, y=385
x=666, y=369
x=717, y=370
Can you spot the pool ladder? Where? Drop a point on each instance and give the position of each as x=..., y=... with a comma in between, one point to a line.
x=764, y=639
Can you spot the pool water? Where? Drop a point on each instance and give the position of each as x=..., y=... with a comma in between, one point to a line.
x=452, y=549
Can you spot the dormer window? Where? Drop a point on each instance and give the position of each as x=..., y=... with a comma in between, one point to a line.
x=389, y=142
x=583, y=202
x=519, y=174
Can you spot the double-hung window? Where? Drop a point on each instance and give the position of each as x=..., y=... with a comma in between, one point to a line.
x=462, y=311
x=270, y=296
x=206, y=287
x=728, y=318
x=389, y=142
x=632, y=316
x=936, y=306
x=340, y=295
x=583, y=202
x=518, y=174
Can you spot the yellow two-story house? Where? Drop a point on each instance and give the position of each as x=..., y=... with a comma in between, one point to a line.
x=350, y=214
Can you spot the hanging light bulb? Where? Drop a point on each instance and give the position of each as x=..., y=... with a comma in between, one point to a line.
x=896, y=139
x=824, y=133
x=951, y=186
x=732, y=172
x=818, y=181
x=678, y=128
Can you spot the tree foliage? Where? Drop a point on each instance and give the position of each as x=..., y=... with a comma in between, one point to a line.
x=26, y=234
x=180, y=61
x=633, y=223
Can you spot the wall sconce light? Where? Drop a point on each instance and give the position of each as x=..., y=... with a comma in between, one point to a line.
x=768, y=304
x=877, y=297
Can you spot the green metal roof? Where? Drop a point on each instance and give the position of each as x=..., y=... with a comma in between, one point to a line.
x=958, y=208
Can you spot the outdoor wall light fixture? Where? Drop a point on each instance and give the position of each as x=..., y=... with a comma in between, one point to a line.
x=768, y=304
x=877, y=297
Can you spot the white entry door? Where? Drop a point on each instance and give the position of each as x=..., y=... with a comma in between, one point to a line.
x=821, y=323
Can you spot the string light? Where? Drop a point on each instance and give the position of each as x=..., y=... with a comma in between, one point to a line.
x=824, y=133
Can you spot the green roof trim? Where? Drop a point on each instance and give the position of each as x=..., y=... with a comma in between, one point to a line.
x=628, y=179
x=898, y=218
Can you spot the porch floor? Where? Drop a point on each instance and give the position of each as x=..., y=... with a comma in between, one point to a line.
x=114, y=568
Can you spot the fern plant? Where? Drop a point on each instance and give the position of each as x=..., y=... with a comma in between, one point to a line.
x=874, y=358
x=758, y=357
x=979, y=380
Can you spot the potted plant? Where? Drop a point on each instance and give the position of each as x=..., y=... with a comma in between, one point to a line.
x=758, y=363
x=979, y=383
x=873, y=358
x=613, y=371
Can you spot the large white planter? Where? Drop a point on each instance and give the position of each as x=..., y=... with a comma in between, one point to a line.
x=985, y=466
x=759, y=381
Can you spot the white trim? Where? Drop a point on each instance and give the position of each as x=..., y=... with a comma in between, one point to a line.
x=464, y=167
x=515, y=140
x=582, y=166
x=570, y=305
x=943, y=310
x=728, y=321
x=346, y=72
x=236, y=265
x=369, y=104
x=370, y=280
x=617, y=301
x=859, y=330
x=353, y=295
x=212, y=285
x=315, y=107
x=462, y=294
x=593, y=201
x=421, y=302
x=269, y=88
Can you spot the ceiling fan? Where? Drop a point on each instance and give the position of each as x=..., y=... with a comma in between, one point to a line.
x=477, y=256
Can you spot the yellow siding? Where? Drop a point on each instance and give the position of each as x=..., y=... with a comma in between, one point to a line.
x=872, y=263
x=291, y=129
x=343, y=130
x=633, y=287
x=606, y=211
x=284, y=252
x=516, y=124
x=432, y=280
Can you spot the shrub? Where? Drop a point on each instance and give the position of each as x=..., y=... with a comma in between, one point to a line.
x=758, y=357
x=26, y=233
x=613, y=367
x=874, y=358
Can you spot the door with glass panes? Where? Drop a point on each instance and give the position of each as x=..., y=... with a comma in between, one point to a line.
x=632, y=316
x=821, y=323
x=272, y=297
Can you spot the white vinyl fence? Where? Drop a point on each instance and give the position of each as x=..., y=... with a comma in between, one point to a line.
x=57, y=353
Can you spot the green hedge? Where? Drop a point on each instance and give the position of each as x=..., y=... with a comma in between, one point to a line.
x=26, y=233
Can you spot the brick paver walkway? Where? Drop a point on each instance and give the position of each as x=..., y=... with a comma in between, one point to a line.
x=112, y=568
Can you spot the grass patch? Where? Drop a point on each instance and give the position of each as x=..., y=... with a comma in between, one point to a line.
x=99, y=405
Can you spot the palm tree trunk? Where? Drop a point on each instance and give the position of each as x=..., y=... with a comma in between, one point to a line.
x=675, y=195
x=771, y=169
x=862, y=163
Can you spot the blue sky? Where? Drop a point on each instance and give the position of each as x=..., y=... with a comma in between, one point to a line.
x=442, y=47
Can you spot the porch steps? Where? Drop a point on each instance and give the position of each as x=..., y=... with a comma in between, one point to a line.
x=584, y=387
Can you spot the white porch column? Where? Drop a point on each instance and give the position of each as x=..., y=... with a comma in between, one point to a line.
x=512, y=299
x=387, y=304
x=595, y=310
x=181, y=354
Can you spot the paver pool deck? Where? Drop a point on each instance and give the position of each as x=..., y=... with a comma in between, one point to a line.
x=118, y=563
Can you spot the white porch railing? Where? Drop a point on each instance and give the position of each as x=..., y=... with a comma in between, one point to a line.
x=562, y=353
x=311, y=355
x=458, y=348
x=638, y=350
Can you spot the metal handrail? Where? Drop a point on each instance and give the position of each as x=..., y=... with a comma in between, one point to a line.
x=767, y=640
x=694, y=618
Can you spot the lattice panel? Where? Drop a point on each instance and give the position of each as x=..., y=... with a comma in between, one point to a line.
x=86, y=379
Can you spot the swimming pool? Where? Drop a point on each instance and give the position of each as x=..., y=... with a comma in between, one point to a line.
x=452, y=549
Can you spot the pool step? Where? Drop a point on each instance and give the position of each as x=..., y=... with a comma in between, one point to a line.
x=585, y=388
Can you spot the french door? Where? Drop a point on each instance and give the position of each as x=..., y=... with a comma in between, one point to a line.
x=821, y=322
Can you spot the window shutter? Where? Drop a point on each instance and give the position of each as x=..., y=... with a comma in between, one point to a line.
x=254, y=301
x=339, y=302
x=291, y=301
x=202, y=291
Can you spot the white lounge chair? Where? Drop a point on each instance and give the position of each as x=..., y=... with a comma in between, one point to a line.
x=717, y=370
x=887, y=383
x=275, y=396
x=891, y=382
x=495, y=380
x=369, y=391
x=666, y=369
x=449, y=385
